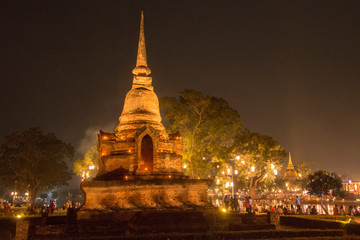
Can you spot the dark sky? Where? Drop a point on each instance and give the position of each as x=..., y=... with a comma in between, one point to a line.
x=290, y=68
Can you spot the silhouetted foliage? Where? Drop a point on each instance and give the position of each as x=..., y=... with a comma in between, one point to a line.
x=321, y=182
x=36, y=161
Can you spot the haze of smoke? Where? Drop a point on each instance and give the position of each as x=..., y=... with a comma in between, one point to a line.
x=89, y=138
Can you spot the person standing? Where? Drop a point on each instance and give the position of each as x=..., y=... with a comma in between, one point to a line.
x=351, y=212
x=342, y=210
x=298, y=205
x=336, y=210
x=52, y=206
x=226, y=201
x=356, y=211
x=313, y=211
x=247, y=204
x=250, y=203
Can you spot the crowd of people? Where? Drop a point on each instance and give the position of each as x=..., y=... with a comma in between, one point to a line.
x=43, y=209
x=246, y=205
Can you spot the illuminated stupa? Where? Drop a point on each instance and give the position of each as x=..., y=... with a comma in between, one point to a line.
x=290, y=172
x=140, y=164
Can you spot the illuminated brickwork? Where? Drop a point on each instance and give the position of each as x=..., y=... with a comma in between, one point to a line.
x=140, y=164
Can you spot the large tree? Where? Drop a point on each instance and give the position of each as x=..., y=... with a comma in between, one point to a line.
x=260, y=158
x=35, y=161
x=207, y=125
x=321, y=182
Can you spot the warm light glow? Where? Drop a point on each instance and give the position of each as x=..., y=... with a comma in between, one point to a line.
x=237, y=157
x=236, y=172
x=272, y=166
x=228, y=171
x=243, y=162
x=217, y=181
x=92, y=167
x=275, y=172
x=286, y=184
x=145, y=169
x=224, y=210
x=169, y=176
x=231, y=184
x=126, y=177
x=350, y=181
x=217, y=166
x=227, y=185
x=184, y=166
x=18, y=216
x=203, y=158
x=26, y=194
x=129, y=151
x=223, y=172
x=105, y=137
x=252, y=168
x=299, y=174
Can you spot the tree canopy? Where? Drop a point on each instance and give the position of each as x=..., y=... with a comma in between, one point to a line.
x=36, y=161
x=207, y=125
x=302, y=168
x=260, y=158
x=82, y=166
x=321, y=182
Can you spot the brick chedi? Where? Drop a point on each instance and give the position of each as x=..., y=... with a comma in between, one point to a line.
x=140, y=164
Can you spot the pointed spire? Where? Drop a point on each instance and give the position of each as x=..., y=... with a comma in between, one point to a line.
x=290, y=172
x=141, y=68
x=290, y=165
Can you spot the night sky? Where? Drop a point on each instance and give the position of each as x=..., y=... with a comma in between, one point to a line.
x=290, y=68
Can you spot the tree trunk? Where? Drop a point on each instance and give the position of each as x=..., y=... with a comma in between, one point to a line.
x=251, y=189
x=32, y=196
x=322, y=205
